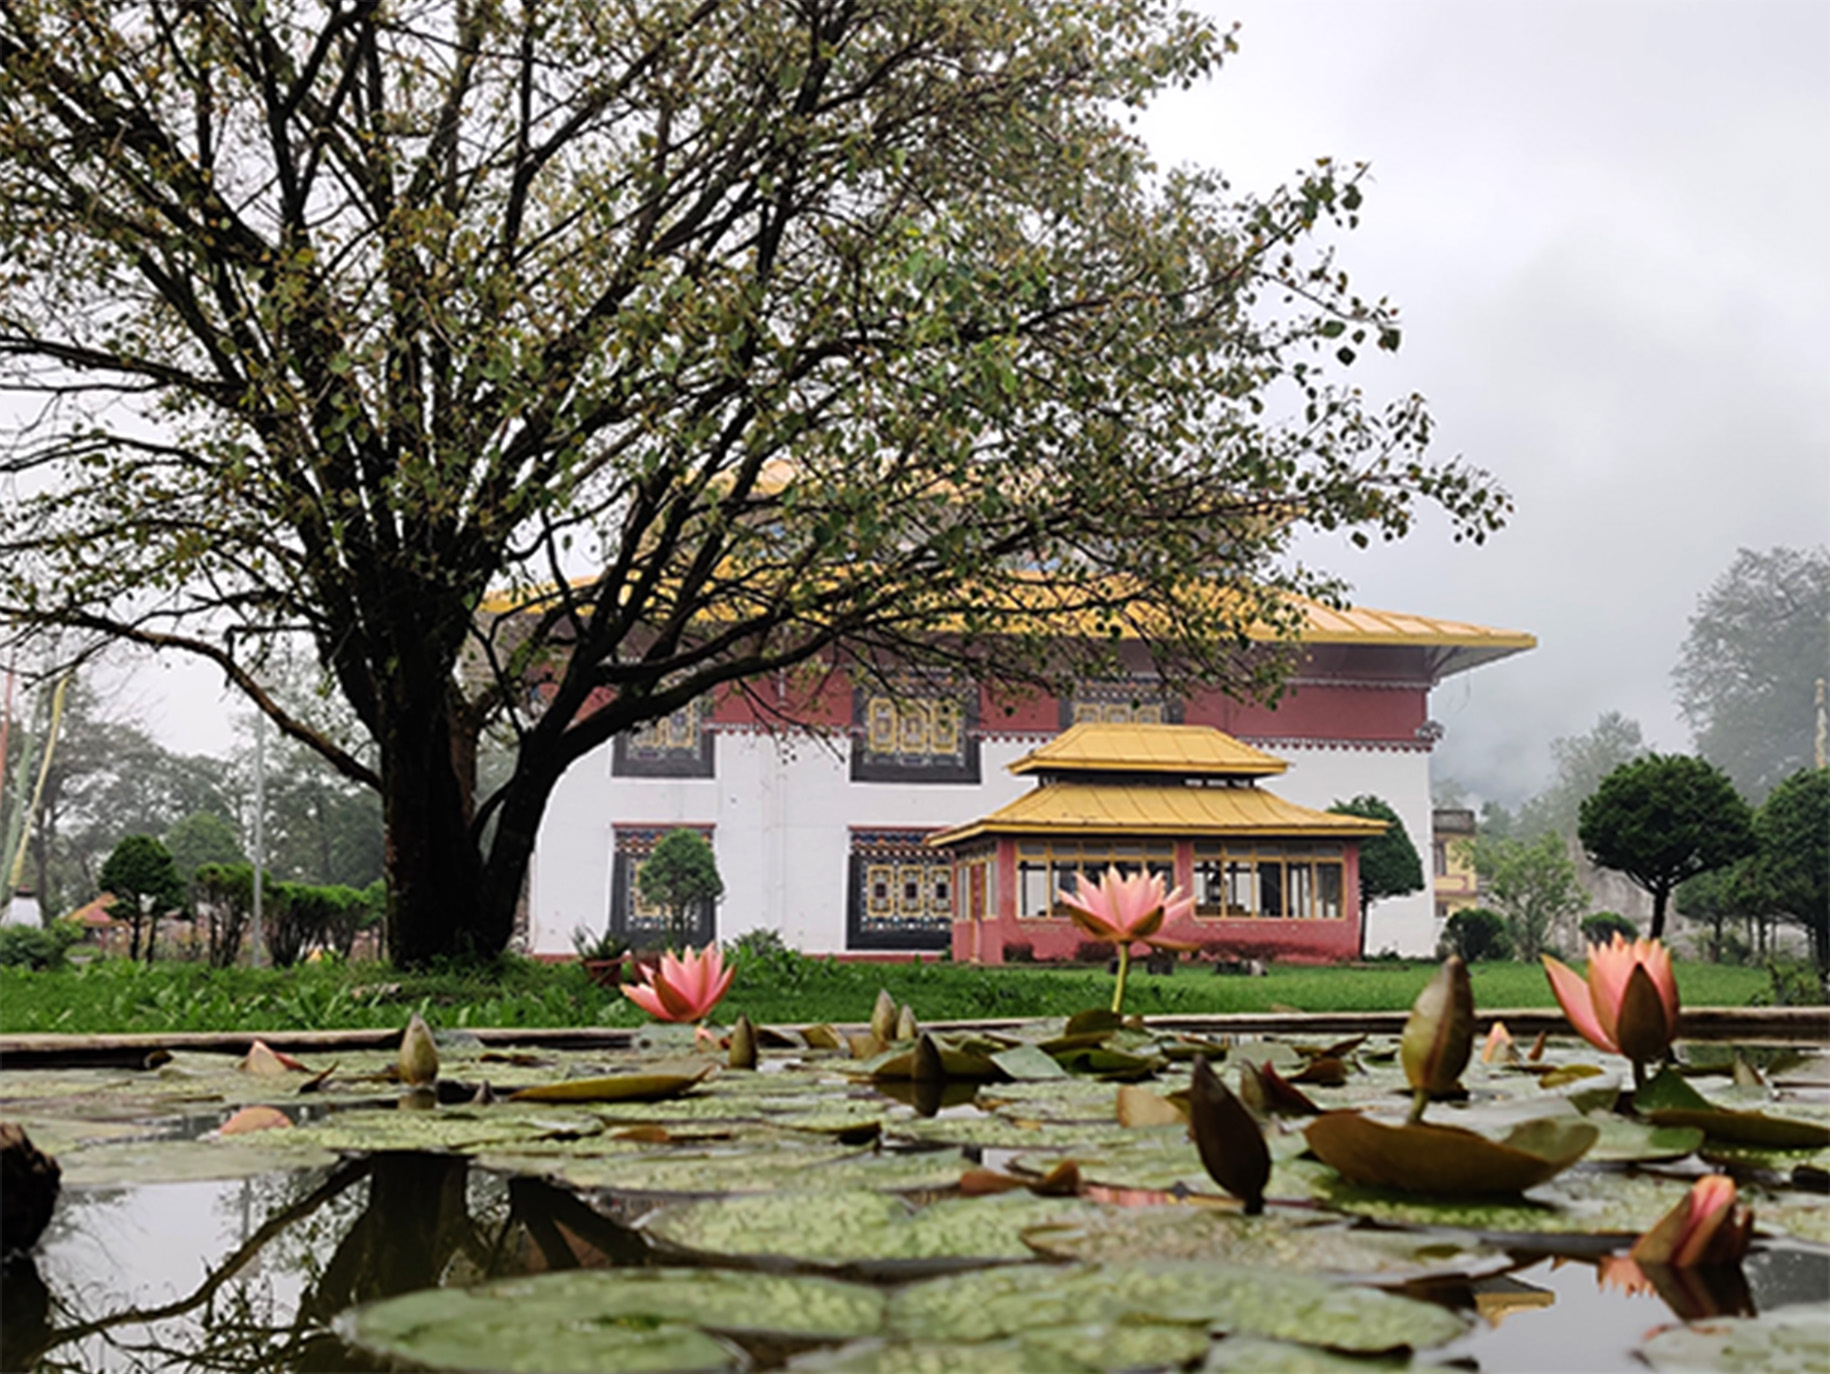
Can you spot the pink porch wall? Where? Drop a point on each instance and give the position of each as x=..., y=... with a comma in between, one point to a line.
x=1291, y=941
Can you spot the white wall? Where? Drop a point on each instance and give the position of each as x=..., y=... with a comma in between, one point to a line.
x=782, y=809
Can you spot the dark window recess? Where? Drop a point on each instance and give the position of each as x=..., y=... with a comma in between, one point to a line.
x=899, y=893
x=1120, y=703
x=925, y=736
x=638, y=921
x=675, y=746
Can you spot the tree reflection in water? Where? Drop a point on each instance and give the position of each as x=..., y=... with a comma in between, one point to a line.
x=424, y=1219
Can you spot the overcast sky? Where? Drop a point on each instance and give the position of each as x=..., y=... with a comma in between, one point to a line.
x=1608, y=227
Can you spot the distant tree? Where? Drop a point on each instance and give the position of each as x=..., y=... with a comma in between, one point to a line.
x=1723, y=895
x=222, y=902
x=823, y=327
x=1389, y=865
x=203, y=837
x=1791, y=870
x=1662, y=819
x=1496, y=822
x=1747, y=673
x=1603, y=926
x=1478, y=934
x=680, y=872
x=1581, y=762
x=145, y=883
x=1533, y=885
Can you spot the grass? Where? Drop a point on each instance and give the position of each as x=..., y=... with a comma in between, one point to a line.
x=111, y=996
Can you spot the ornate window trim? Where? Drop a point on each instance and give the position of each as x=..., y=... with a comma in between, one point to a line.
x=1120, y=703
x=899, y=892
x=635, y=920
x=1270, y=880
x=676, y=746
x=926, y=733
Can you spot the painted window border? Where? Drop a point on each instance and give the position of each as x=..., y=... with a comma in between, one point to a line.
x=879, y=767
x=632, y=844
x=631, y=759
x=900, y=847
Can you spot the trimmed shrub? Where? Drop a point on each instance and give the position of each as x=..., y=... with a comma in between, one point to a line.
x=1094, y=952
x=39, y=947
x=1019, y=952
x=1477, y=934
x=1603, y=926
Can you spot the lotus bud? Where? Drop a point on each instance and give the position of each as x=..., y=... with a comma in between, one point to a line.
x=1642, y=1028
x=928, y=1066
x=418, y=1055
x=906, y=1026
x=743, y=1043
x=883, y=1016
x=1705, y=1228
x=1439, y=1036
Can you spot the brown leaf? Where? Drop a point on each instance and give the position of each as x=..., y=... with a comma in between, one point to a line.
x=1139, y=1106
x=743, y=1044
x=1231, y=1145
x=883, y=1017
x=265, y=1063
x=1282, y=1099
x=1445, y=1160
x=250, y=1119
x=1324, y=1073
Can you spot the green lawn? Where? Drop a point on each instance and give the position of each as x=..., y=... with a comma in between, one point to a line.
x=113, y=996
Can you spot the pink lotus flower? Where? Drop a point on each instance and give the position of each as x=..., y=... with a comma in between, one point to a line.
x=1705, y=1228
x=1125, y=911
x=683, y=988
x=1629, y=1002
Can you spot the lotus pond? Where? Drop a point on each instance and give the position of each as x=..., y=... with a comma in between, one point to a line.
x=1019, y=1200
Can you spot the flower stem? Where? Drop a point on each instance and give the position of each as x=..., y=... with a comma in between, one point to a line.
x=1124, y=968
x=1419, y=1100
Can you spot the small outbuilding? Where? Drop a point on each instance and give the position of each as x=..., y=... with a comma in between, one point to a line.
x=1269, y=878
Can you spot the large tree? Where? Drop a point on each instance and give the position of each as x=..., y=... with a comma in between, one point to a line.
x=1532, y=884
x=639, y=351
x=1790, y=873
x=1662, y=819
x=1389, y=863
x=1747, y=675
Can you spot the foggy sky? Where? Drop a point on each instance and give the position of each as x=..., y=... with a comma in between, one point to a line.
x=1608, y=227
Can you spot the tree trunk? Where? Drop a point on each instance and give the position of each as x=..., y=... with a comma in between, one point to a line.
x=435, y=875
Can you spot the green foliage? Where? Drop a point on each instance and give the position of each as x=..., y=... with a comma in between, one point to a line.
x=203, y=837
x=1533, y=885
x=1664, y=818
x=1748, y=667
x=819, y=310
x=1790, y=873
x=37, y=947
x=1603, y=926
x=1389, y=865
x=1477, y=934
x=1795, y=983
x=681, y=872
x=146, y=887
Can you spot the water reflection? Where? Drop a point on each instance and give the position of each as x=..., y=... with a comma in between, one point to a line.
x=247, y=1275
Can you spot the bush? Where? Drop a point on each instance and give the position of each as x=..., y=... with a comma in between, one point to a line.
x=1478, y=935
x=1095, y=952
x=38, y=947
x=1019, y=952
x=1603, y=926
x=1795, y=983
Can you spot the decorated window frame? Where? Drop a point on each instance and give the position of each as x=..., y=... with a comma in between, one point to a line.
x=925, y=732
x=899, y=892
x=1047, y=868
x=675, y=746
x=634, y=919
x=1138, y=702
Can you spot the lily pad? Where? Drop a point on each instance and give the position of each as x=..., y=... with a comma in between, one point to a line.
x=609, y=1319
x=859, y=1229
x=187, y=1161
x=1251, y=1355
x=1297, y=1307
x=932, y=1357
x=626, y=1087
x=1789, y=1338
x=1624, y=1141
x=1312, y=1246
x=1747, y=1128
x=1446, y=1160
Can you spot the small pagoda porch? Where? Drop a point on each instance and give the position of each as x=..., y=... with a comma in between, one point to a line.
x=1270, y=879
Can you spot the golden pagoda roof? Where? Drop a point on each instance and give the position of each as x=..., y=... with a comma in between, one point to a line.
x=1180, y=750
x=1089, y=808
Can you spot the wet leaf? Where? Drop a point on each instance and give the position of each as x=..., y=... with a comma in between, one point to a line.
x=1139, y=1106
x=1439, y=1034
x=822, y=1037
x=1096, y=1020
x=1028, y=1063
x=1312, y=1245
x=1747, y=1128
x=251, y=1119
x=609, y=1319
x=1668, y=1088
x=1326, y=1072
x=1298, y=1307
x=1788, y=1338
x=627, y=1087
x=1447, y=1160
x=1231, y=1145
x=1624, y=1141
x=265, y=1062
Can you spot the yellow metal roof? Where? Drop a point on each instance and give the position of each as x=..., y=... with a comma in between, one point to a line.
x=1083, y=808
x=1364, y=625
x=1183, y=750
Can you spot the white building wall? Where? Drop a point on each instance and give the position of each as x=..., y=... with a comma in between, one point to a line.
x=782, y=810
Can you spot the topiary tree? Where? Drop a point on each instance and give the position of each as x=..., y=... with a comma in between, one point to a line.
x=1478, y=934
x=1603, y=926
x=1664, y=818
x=680, y=871
x=145, y=884
x=1389, y=864
x=1791, y=870
x=1532, y=885
x=222, y=899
